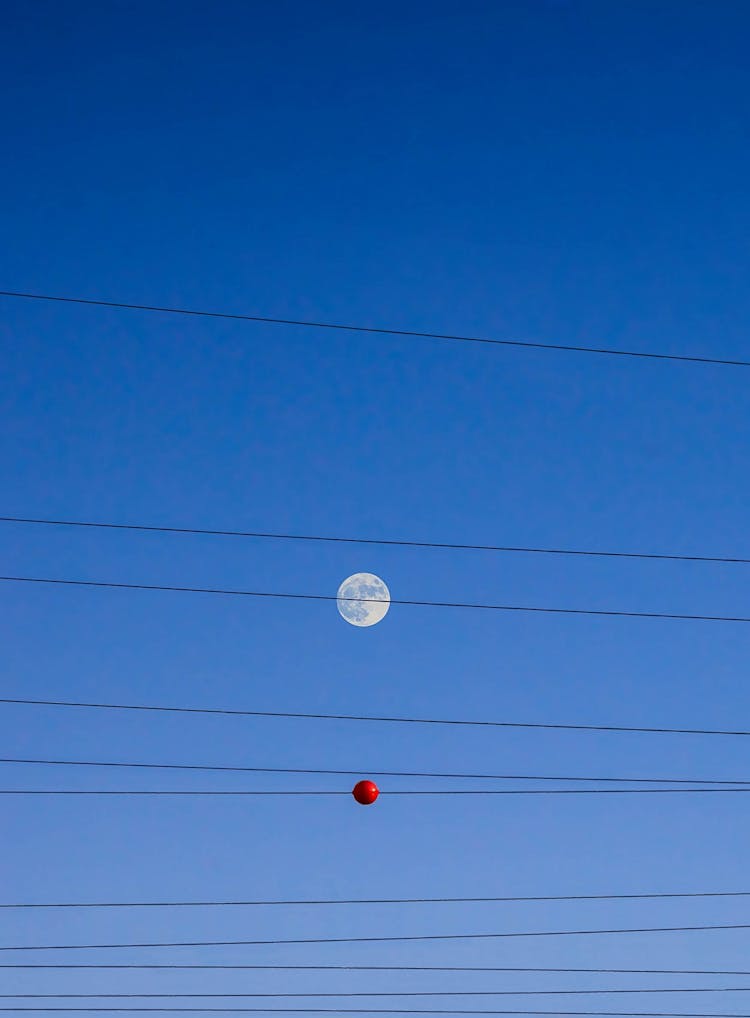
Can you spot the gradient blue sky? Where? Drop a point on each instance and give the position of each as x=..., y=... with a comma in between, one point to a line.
x=565, y=172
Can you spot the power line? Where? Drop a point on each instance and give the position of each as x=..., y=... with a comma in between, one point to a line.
x=371, y=330
x=203, y=792
x=193, y=966
x=365, y=770
x=374, y=993
x=374, y=718
x=379, y=1010
x=210, y=792
x=378, y=940
x=144, y=528
x=100, y=584
x=660, y=895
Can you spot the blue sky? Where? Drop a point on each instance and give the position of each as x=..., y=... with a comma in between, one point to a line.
x=559, y=172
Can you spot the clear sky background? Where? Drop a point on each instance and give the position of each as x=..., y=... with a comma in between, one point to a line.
x=555, y=172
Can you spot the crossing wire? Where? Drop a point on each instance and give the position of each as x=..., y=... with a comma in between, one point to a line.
x=659, y=895
x=196, y=966
x=171, y=588
x=375, y=718
x=380, y=940
x=389, y=792
x=372, y=330
x=371, y=1010
x=377, y=773
x=374, y=993
x=266, y=535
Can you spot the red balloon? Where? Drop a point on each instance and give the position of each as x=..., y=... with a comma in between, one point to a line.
x=365, y=792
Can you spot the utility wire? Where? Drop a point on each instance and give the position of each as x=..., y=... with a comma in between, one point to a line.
x=143, y=528
x=365, y=600
x=376, y=773
x=377, y=940
x=373, y=330
x=374, y=718
x=372, y=968
x=376, y=993
x=379, y=1010
x=660, y=895
x=389, y=792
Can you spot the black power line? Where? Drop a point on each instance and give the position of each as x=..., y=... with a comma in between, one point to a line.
x=378, y=940
x=378, y=1010
x=374, y=718
x=365, y=770
x=144, y=528
x=389, y=792
x=371, y=330
x=171, y=588
x=193, y=966
x=373, y=993
x=660, y=895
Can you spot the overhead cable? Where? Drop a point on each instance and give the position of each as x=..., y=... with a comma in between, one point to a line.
x=380, y=542
x=373, y=993
x=375, y=718
x=505, y=899
x=375, y=1010
x=367, y=770
x=380, y=940
x=197, y=966
x=372, y=330
x=231, y=592
x=388, y=792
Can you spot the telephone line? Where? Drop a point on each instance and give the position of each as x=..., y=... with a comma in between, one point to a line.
x=375, y=993
x=374, y=718
x=232, y=592
x=659, y=895
x=373, y=330
x=378, y=940
x=268, y=535
x=196, y=966
x=210, y=792
x=365, y=770
x=371, y=1010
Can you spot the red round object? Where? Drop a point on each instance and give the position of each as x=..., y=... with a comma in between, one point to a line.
x=365, y=792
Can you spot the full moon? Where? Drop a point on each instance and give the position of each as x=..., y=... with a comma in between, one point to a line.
x=363, y=599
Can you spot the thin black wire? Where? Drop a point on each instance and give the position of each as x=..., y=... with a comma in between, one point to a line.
x=368, y=600
x=374, y=718
x=383, y=901
x=379, y=940
x=143, y=528
x=389, y=792
x=372, y=968
x=379, y=1010
x=193, y=792
x=376, y=773
x=375, y=993
x=375, y=331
